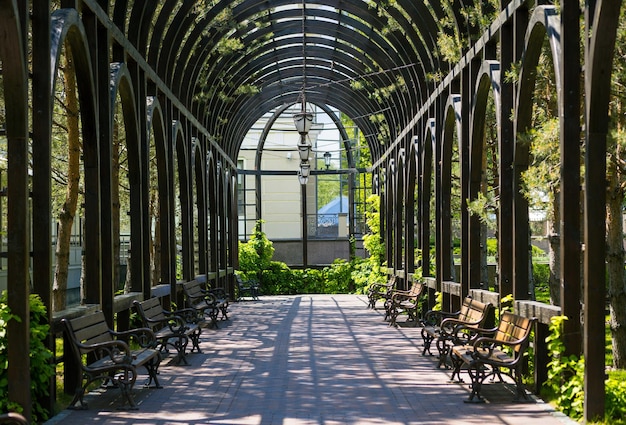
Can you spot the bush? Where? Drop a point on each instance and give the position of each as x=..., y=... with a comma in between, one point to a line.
x=338, y=277
x=492, y=247
x=279, y=279
x=256, y=255
x=565, y=373
x=41, y=365
x=541, y=274
x=312, y=282
x=276, y=278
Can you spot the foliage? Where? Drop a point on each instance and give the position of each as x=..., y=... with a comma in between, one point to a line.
x=41, y=366
x=565, y=383
x=537, y=252
x=438, y=301
x=615, y=402
x=541, y=277
x=338, y=277
x=279, y=279
x=369, y=271
x=542, y=179
x=363, y=275
x=256, y=255
x=492, y=247
x=484, y=207
x=541, y=273
x=565, y=373
x=372, y=241
x=506, y=303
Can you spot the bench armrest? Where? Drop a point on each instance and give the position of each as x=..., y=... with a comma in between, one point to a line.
x=377, y=286
x=144, y=336
x=434, y=317
x=217, y=292
x=188, y=315
x=473, y=332
x=484, y=348
x=175, y=322
x=403, y=296
x=451, y=325
x=118, y=351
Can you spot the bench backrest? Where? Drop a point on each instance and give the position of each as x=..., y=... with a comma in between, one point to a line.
x=150, y=309
x=513, y=328
x=193, y=290
x=88, y=330
x=416, y=289
x=474, y=312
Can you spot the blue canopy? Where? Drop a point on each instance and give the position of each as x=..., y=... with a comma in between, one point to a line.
x=328, y=215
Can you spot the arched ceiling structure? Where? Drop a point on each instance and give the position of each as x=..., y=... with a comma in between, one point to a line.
x=230, y=62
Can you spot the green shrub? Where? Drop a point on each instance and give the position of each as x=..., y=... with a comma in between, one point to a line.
x=363, y=275
x=492, y=247
x=255, y=256
x=541, y=274
x=338, y=277
x=565, y=373
x=615, y=406
x=277, y=279
x=537, y=252
x=42, y=368
x=373, y=242
x=312, y=282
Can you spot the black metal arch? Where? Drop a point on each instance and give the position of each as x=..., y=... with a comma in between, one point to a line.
x=353, y=25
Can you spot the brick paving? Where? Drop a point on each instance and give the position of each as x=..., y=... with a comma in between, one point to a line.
x=308, y=360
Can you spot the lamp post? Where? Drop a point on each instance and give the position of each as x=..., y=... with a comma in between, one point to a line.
x=327, y=157
x=303, y=121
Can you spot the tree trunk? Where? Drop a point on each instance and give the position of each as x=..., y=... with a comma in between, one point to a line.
x=68, y=210
x=554, y=261
x=554, y=253
x=484, y=269
x=155, y=241
x=115, y=203
x=615, y=266
x=127, y=282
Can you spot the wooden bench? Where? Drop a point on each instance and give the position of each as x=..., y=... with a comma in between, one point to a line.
x=248, y=288
x=495, y=351
x=404, y=302
x=171, y=328
x=205, y=301
x=380, y=291
x=105, y=355
x=447, y=328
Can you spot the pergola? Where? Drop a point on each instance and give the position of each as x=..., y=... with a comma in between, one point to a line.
x=196, y=75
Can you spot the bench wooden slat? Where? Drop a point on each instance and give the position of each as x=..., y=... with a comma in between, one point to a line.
x=205, y=301
x=404, y=302
x=380, y=291
x=171, y=329
x=249, y=288
x=486, y=354
x=110, y=358
x=443, y=327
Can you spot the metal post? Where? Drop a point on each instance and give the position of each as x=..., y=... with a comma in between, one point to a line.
x=305, y=229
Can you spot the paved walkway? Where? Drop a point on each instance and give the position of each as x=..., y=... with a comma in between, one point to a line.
x=321, y=359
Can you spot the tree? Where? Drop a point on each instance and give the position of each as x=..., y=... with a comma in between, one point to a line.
x=68, y=209
x=616, y=191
